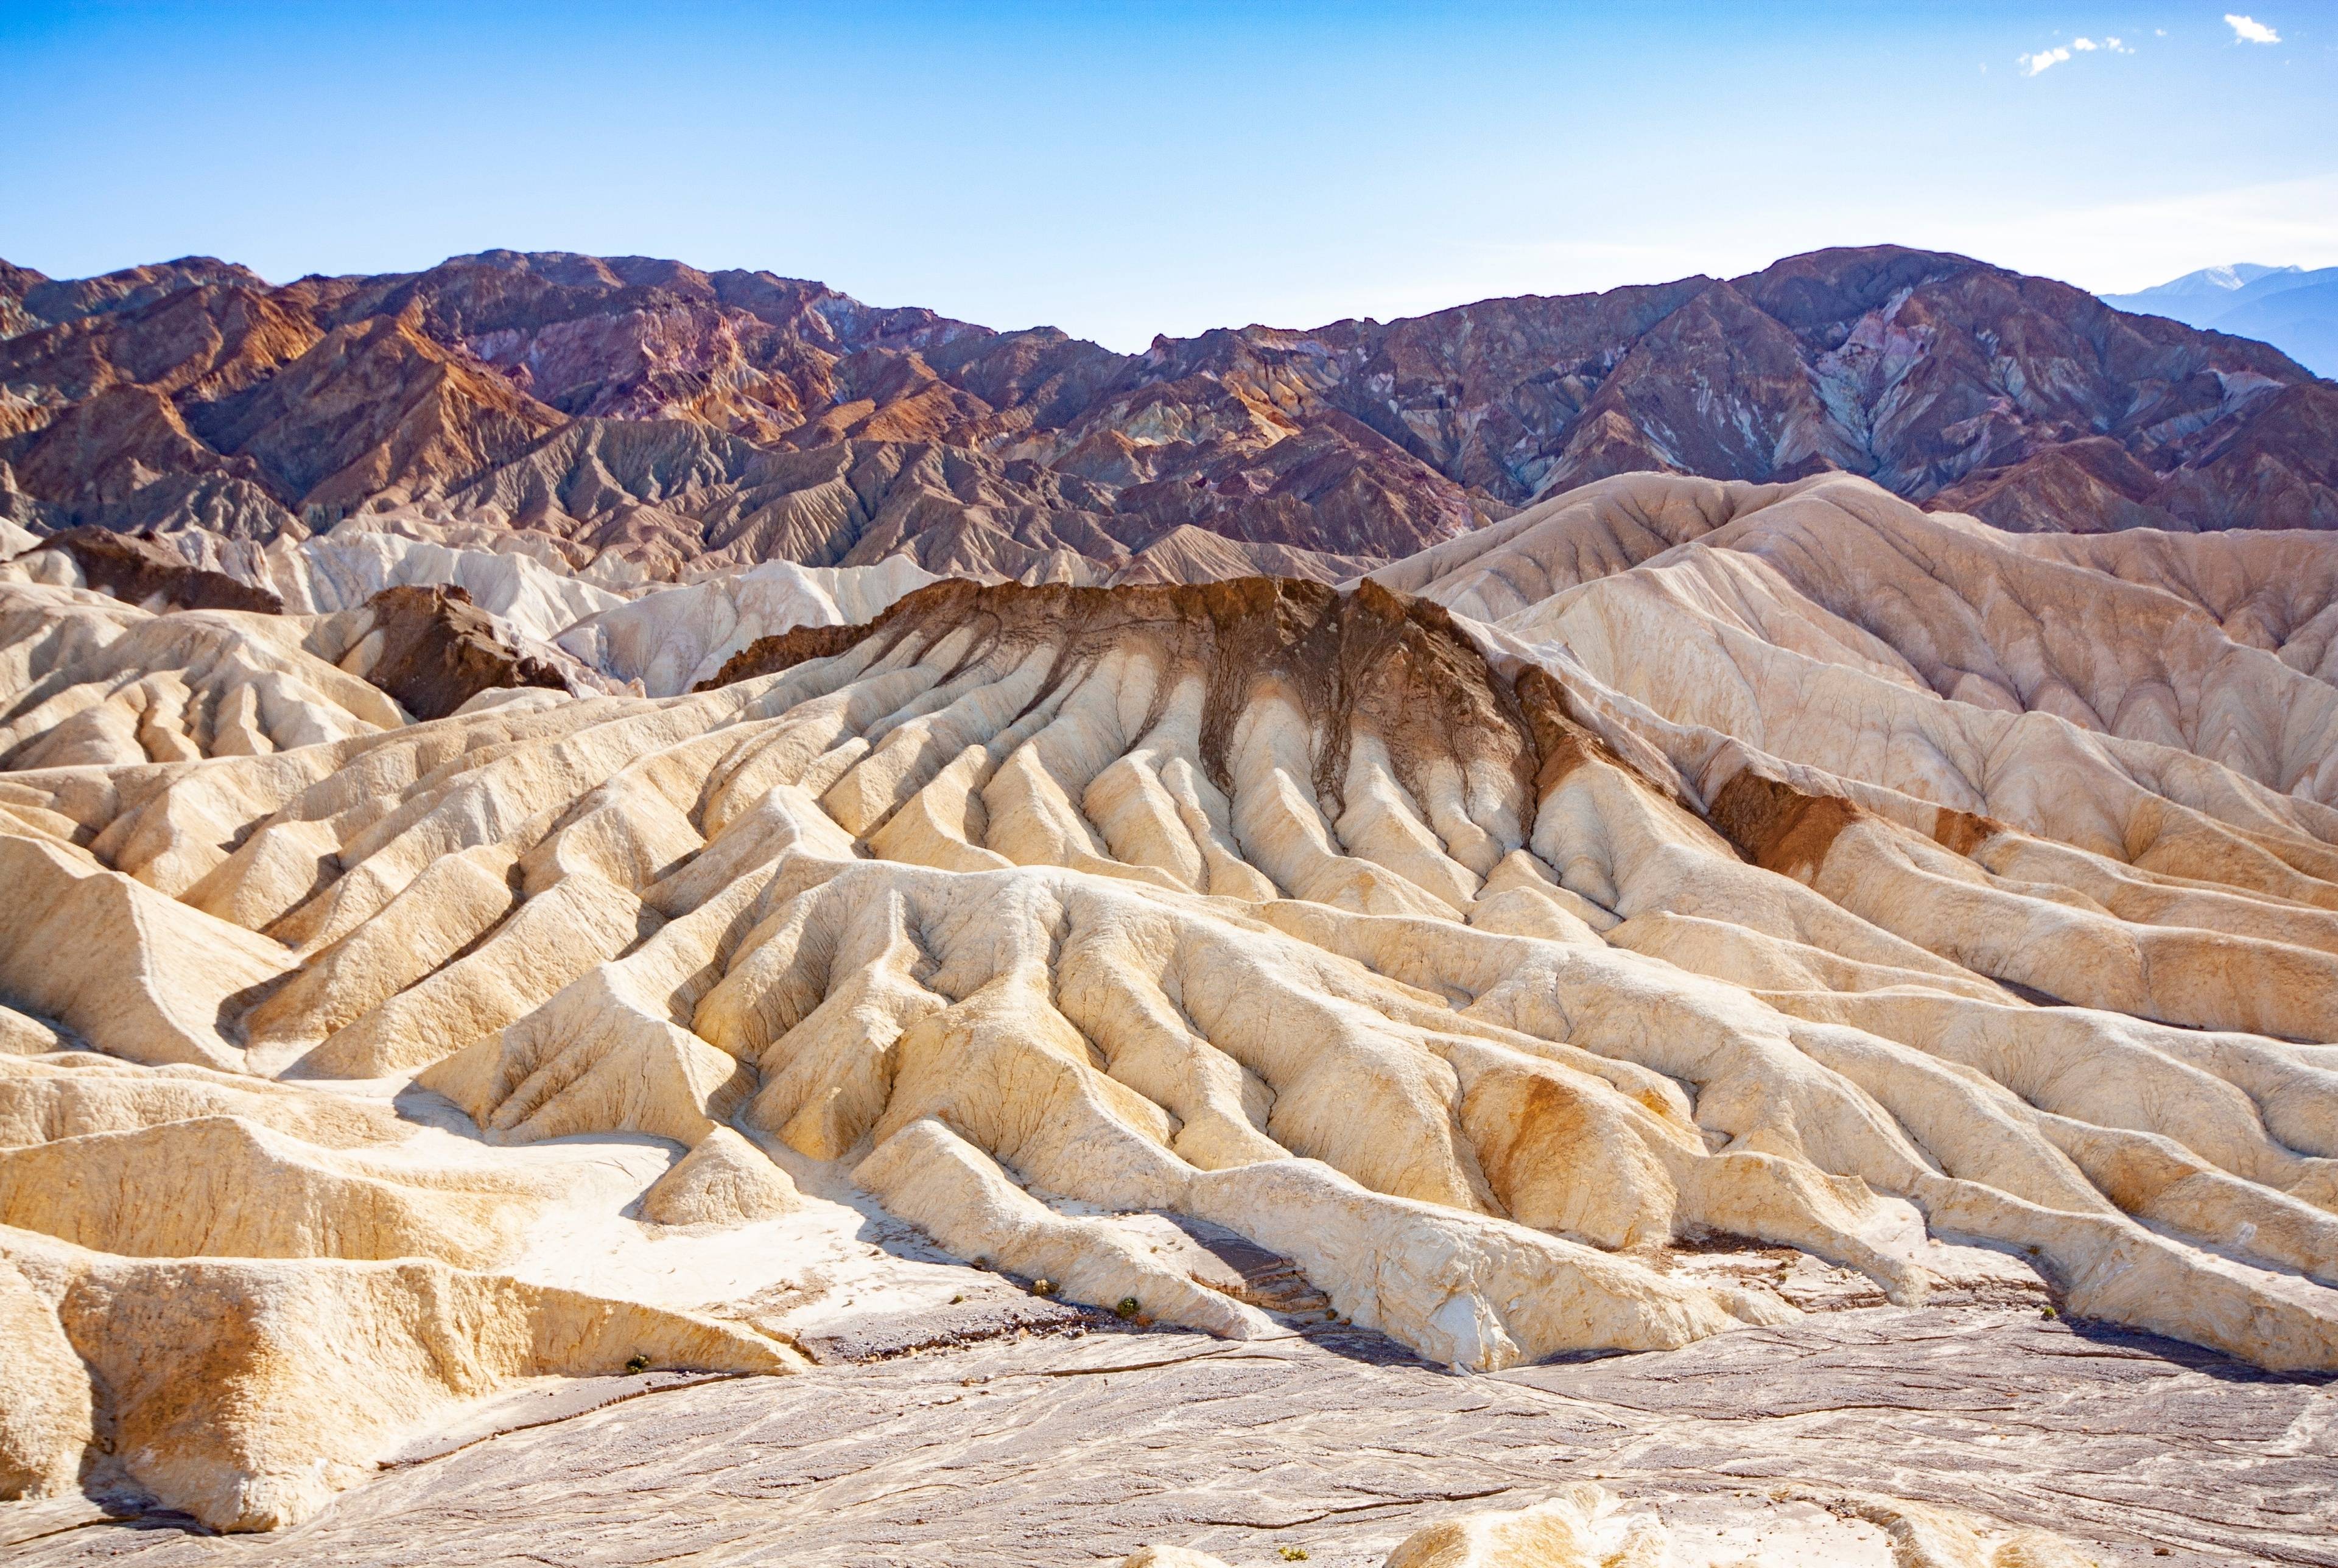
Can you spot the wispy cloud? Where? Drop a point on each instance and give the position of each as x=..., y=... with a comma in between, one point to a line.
x=2249, y=30
x=2047, y=58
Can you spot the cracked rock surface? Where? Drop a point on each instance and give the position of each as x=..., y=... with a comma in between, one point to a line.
x=1759, y=1445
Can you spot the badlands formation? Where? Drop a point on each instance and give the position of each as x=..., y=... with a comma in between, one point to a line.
x=1653, y=925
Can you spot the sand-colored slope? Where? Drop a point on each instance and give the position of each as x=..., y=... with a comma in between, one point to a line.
x=85, y=679
x=1471, y=968
x=248, y=1392
x=671, y=640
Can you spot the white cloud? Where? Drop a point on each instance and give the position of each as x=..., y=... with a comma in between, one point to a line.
x=2249, y=30
x=2047, y=58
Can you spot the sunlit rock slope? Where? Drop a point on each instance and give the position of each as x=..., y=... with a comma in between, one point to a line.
x=1677, y=860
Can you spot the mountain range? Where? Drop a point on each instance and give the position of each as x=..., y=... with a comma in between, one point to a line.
x=573, y=825
x=647, y=420
x=2290, y=307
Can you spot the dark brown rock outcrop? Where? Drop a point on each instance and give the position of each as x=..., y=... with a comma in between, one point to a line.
x=1368, y=652
x=140, y=572
x=438, y=650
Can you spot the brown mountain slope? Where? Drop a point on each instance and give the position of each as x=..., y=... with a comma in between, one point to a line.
x=372, y=406
x=496, y=380
x=48, y=300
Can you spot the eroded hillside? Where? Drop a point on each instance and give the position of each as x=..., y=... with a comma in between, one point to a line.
x=1679, y=865
x=655, y=421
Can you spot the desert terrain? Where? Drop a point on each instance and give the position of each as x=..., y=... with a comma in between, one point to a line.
x=616, y=977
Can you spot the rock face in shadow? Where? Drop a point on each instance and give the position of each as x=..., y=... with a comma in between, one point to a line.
x=1677, y=870
x=137, y=570
x=433, y=650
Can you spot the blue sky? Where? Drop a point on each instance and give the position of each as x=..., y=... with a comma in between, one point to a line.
x=1122, y=170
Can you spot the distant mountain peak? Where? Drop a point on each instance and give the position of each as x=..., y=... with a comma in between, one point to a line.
x=2290, y=308
x=2234, y=275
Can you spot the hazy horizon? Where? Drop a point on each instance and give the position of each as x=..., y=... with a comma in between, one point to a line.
x=1119, y=173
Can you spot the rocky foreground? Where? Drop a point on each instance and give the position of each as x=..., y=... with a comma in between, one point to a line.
x=1864, y=1437
x=1673, y=920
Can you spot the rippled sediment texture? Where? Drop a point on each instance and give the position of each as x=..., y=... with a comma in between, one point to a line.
x=1779, y=862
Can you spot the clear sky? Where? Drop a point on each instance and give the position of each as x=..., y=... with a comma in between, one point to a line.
x=1122, y=170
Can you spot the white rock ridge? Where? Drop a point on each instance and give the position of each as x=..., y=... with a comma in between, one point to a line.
x=672, y=638
x=1779, y=863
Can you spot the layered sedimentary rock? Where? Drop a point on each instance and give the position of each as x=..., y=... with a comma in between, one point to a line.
x=1677, y=862
x=434, y=650
x=85, y=677
x=342, y=568
x=672, y=639
x=431, y=624
x=658, y=421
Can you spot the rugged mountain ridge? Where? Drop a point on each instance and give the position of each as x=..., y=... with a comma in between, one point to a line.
x=677, y=419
